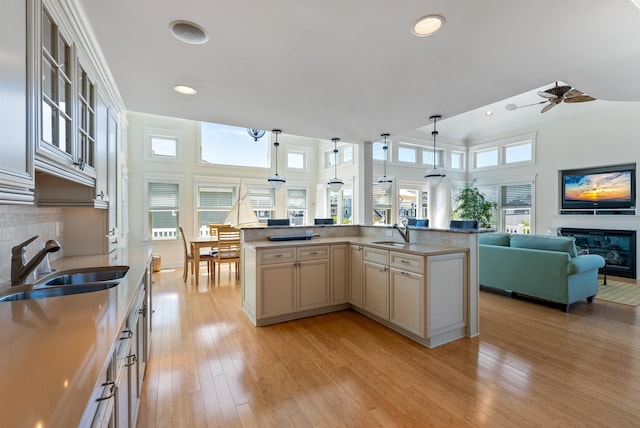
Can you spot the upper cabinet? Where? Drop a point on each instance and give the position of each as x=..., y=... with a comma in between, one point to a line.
x=72, y=158
x=17, y=109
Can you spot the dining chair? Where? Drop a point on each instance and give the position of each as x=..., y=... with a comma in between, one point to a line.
x=205, y=256
x=228, y=249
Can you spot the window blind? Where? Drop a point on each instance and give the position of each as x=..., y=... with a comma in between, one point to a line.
x=164, y=196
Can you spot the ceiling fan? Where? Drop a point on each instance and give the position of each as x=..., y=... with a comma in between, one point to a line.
x=555, y=95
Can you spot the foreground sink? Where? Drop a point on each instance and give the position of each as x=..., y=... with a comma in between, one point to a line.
x=391, y=243
x=84, y=276
x=26, y=292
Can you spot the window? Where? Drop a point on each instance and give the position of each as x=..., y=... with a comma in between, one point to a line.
x=214, y=204
x=340, y=206
x=457, y=160
x=163, y=206
x=56, y=86
x=427, y=157
x=515, y=208
x=381, y=205
x=520, y=152
x=486, y=158
x=425, y=204
x=408, y=206
x=86, y=119
x=164, y=147
x=297, y=206
x=296, y=160
x=378, y=152
x=512, y=151
x=263, y=202
x=231, y=145
x=162, y=144
x=407, y=154
x=347, y=153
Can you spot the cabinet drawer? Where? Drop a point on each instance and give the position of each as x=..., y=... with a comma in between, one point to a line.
x=409, y=262
x=278, y=255
x=313, y=253
x=376, y=255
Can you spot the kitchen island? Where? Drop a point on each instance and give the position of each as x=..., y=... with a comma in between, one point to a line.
x=58, y=350
x=424, y=290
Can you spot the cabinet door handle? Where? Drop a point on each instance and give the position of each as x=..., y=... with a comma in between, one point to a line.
x=101, y=194
x=131, y=360
x=126, y=334
x=112, y=391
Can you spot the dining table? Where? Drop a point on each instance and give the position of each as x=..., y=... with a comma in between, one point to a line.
x=197, y=243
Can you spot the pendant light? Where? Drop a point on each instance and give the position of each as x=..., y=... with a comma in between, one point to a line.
x=335, y=183
x=256, y=134
x=435, y=176
x=276, y=180
x=385, y=182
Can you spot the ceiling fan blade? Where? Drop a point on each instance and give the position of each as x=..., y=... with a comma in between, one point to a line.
x=548, y=107
x=547, y=94
x=579, y=99
x=573, y=93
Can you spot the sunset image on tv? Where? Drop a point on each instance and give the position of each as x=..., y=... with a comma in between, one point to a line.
x=610, y=186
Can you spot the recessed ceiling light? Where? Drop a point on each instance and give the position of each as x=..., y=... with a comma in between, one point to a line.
x=488, y=113
x=427, y=25
x=184, y=89
x=189, y=32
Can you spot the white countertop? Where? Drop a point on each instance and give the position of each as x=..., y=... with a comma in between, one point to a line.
x=54, y=349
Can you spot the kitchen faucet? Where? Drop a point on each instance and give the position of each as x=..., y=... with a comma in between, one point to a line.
x=20, y=269
x=405, y=233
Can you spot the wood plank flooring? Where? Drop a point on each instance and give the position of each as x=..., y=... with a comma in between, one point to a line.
x=532, y=366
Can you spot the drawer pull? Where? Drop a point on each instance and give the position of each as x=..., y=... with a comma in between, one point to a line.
x=405, y=261
x=313, y=253
x=277, y=255
x=112, y=391
x=126, y=334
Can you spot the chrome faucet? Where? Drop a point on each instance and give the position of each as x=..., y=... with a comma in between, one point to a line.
x=20, y=269
x=404, y=233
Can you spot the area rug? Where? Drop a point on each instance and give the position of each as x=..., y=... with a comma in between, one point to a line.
x=625, y=293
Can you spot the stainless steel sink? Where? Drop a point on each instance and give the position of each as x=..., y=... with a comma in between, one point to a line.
x=83, y=276
x=27, y=292
x=390, y=243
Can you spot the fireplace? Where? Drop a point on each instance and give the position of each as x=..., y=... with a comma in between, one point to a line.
x=618, y=247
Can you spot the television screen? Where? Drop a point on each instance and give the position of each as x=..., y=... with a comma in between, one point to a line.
x=603, y=187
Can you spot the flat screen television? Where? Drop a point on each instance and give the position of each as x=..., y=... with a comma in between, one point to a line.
x=606, y=187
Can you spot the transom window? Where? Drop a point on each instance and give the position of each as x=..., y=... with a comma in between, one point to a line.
x=296, y=160
x=231, y=145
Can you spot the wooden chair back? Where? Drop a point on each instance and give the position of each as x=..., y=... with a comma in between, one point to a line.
x=228, y=246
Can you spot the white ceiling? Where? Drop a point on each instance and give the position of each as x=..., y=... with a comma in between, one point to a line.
x=353, y=69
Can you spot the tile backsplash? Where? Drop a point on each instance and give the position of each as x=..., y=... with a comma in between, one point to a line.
x=19, y=223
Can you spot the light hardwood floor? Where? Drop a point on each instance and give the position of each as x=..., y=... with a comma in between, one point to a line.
x=532, y=366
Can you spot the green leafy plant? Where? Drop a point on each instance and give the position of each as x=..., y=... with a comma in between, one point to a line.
x=473, y=205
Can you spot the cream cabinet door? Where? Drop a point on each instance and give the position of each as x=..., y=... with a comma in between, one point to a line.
x=355, y=275
x=407, y=300
x=339, y=274
x=276, y=289
x=376, y=289
x=313, y=284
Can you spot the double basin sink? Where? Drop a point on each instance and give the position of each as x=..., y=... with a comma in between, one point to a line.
x=68, y=282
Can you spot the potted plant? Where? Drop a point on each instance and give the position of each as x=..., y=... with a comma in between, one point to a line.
x=473, y=205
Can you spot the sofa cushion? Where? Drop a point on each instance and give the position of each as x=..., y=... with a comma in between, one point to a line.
x=565, y=244
x=495, y=238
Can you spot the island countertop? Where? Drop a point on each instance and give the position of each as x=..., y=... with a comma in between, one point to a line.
x=54, y=349
x=387, y=244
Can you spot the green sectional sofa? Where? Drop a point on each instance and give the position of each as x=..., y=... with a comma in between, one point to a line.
x=545, y=267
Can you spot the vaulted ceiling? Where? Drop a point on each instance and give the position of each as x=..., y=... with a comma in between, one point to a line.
x=354, y=69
